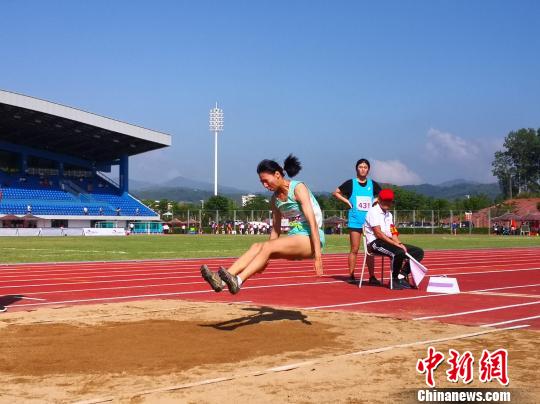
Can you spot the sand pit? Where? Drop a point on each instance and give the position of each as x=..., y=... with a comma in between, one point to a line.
x=128, y=352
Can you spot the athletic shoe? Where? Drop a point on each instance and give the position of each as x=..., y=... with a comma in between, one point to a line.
x=396, y=285
x=352, y=279
x=374, y=281
x=3, y=308
x=404, y=284
x=230, y=280
x=212, y=278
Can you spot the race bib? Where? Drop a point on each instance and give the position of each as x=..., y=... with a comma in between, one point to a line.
x=363, y=203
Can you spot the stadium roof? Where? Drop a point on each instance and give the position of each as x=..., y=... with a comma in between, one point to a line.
x=44, y=125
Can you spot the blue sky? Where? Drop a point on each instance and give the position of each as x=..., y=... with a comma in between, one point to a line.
x=427, y=90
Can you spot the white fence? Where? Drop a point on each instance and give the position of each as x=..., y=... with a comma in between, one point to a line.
x=59, y=232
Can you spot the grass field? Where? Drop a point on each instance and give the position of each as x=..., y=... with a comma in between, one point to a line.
x=57, y=249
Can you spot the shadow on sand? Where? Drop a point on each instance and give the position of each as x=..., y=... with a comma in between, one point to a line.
x=260, y=314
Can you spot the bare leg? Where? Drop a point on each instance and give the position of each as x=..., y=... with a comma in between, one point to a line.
x=371, y=265
x=241, y=263
x=354, y=238
x=286, y=247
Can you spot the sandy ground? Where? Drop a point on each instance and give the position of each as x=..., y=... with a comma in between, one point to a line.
x=162, y=351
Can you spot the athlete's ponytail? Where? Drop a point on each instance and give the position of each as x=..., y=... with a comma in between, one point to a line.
x=291, y=165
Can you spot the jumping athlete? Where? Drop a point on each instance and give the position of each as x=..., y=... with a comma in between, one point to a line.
x=359, y=194
x=292, y=200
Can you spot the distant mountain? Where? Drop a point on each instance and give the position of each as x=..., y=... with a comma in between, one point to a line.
x=182, y=189
x=458, y=181
x=184, y=182
x=455, y=189
x=136, y=184
x=179, y=194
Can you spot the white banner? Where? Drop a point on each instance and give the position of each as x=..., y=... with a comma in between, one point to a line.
x=114, y=231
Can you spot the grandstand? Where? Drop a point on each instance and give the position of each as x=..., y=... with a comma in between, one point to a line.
x=55, y=165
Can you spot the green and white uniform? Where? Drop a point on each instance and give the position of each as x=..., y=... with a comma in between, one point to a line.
x=292, y=211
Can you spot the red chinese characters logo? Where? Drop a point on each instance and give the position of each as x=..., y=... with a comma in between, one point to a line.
x=429, y=364
x=494, y=366
x=461, y=367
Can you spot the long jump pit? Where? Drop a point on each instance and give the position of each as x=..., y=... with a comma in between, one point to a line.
x=170, y=351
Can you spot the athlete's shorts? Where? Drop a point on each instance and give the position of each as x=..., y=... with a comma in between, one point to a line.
x=355, y=229
x=305, y=231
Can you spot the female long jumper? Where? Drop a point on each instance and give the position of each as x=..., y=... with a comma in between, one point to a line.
x=291, y=200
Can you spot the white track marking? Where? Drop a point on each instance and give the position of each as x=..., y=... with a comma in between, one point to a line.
x=462, y=313
x=510, y=321
x=407, y=298
x=167, y=294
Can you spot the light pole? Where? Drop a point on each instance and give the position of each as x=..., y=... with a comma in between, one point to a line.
x=216, y=126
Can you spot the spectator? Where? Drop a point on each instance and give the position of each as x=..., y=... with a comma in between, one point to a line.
x=100, y=211
x=137, y=212
x=165, y=228
x=85, y=210
x=454, y=228
x=131, y=228
x=359, y=194
x=118, y=210
x=28, y=209
x=382, y=237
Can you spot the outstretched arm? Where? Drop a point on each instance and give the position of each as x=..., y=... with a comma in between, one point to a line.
x=301, y=194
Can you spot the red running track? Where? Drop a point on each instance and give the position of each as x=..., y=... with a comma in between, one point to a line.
x=500, y=288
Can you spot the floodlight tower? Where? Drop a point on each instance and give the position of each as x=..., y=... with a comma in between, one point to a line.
x=216, y=126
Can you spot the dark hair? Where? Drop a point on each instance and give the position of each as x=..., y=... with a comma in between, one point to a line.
x=291, y=166
x=363, y=161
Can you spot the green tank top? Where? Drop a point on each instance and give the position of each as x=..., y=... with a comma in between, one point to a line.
x=291, y=209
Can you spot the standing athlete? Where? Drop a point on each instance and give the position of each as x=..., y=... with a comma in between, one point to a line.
x=359, y=194
x=291, y=200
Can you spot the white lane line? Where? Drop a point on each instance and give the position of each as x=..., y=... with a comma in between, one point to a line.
x=462, y=313
x=191, y=268
x=504, y=287
x=501, y=294
x=114, y=280
x=510, y=321
x=256, y=279
x=185, y=264
x=31, y=298
x=458, y=253
x=167, y=294
x=407, y=298
x=293, y=366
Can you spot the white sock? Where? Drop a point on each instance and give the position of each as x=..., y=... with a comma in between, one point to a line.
x=239, y=281
x=400, y=276
x=223, y=283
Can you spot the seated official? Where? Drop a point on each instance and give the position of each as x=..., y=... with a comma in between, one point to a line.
x=382, y=238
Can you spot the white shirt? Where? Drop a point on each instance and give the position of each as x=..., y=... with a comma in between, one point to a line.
x=376, y=217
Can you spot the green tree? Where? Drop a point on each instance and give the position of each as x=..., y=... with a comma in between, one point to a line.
x=410, y=200
x=328, y=202
x=517, y=167
x=219, y=202
x=259, y=202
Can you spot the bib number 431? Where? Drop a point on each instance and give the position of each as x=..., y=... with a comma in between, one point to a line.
x=363, y=203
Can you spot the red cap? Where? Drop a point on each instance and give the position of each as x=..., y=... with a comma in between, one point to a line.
x=386, y=195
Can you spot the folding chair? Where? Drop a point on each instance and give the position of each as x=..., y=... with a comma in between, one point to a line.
x=373, y=253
